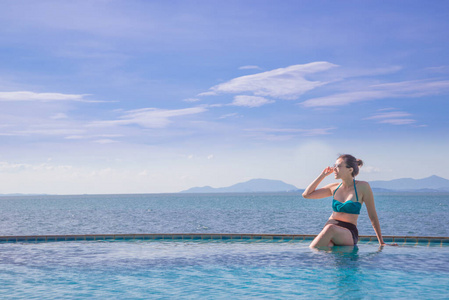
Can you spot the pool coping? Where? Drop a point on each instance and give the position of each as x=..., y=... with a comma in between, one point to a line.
x=211, y=236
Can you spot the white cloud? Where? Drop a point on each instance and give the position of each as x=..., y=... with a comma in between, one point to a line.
x=284, y=83
x=269, y=133
x=386, y=109
x=210, y=93
x=367, y=72
x=7, y=167
x=439, y=69
x=74, y=137
x=150, y=117
x=250, y=101
x=417, y=88
x=32, y=96
x=250, y=67
x=191, y=100
x=81, y=137
x=344, y=98
x=214, y=105
x=11, y=167
x=105, y=141
x=59, y=116
x=210, y=156
x=398, y=121
x=50, y=131
x=231, y=115
x=389, y=115
x=143, y=173
x=9, y=134
x=393, y=118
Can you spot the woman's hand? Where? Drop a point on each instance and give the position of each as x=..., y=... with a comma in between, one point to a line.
x=327, y=171
x=383, y=244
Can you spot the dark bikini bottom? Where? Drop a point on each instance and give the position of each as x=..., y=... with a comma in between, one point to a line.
x=350, y=226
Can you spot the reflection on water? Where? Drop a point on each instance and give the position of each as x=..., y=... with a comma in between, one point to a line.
x=345, y=260
x=348, y=265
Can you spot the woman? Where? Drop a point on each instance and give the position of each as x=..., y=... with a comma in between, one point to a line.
x=348, y=197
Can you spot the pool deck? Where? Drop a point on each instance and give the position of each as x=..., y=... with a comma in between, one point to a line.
x=421, y=240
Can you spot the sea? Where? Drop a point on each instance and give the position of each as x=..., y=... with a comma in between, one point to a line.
x=403, y=214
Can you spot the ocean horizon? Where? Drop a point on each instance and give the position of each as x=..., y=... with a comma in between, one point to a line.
x=281, y=213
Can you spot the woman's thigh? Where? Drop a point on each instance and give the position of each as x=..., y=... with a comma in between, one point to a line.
x=333, y=235
x=341, y=236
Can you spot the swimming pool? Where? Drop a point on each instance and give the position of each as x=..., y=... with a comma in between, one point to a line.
x=221, y=269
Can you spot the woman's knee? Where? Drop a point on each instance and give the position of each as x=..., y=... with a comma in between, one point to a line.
x=324, y=239
x=329, y=229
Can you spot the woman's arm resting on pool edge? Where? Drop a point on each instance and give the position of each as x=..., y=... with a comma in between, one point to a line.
x=368, y=198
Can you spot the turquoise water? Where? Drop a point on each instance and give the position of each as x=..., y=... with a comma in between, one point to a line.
x=399, y=214
x=220, y=270
x=217, y=269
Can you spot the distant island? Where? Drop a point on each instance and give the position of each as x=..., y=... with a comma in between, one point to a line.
x=251, y=186
x=431, y=184
x=426, y=185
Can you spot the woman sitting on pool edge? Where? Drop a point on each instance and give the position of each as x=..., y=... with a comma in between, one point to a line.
x=348, y=196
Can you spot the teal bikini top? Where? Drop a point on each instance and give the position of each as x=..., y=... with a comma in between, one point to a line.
x=349, y=207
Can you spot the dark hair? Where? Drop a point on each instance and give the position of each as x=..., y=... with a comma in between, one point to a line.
x=352, y=162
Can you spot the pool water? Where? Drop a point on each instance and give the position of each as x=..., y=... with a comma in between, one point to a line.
x=212, y=269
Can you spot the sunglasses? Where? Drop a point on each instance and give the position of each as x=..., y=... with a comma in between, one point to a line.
x=335, y=166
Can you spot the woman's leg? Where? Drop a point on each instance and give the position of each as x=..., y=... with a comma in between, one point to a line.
x=333, y=235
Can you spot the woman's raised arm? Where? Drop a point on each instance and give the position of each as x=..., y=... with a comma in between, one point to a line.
x=312, y=193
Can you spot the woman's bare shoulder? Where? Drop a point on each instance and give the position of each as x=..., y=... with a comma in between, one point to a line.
x=361, y=182
x=363, y=185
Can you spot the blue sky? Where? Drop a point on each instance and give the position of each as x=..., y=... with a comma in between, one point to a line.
x=161, y=96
